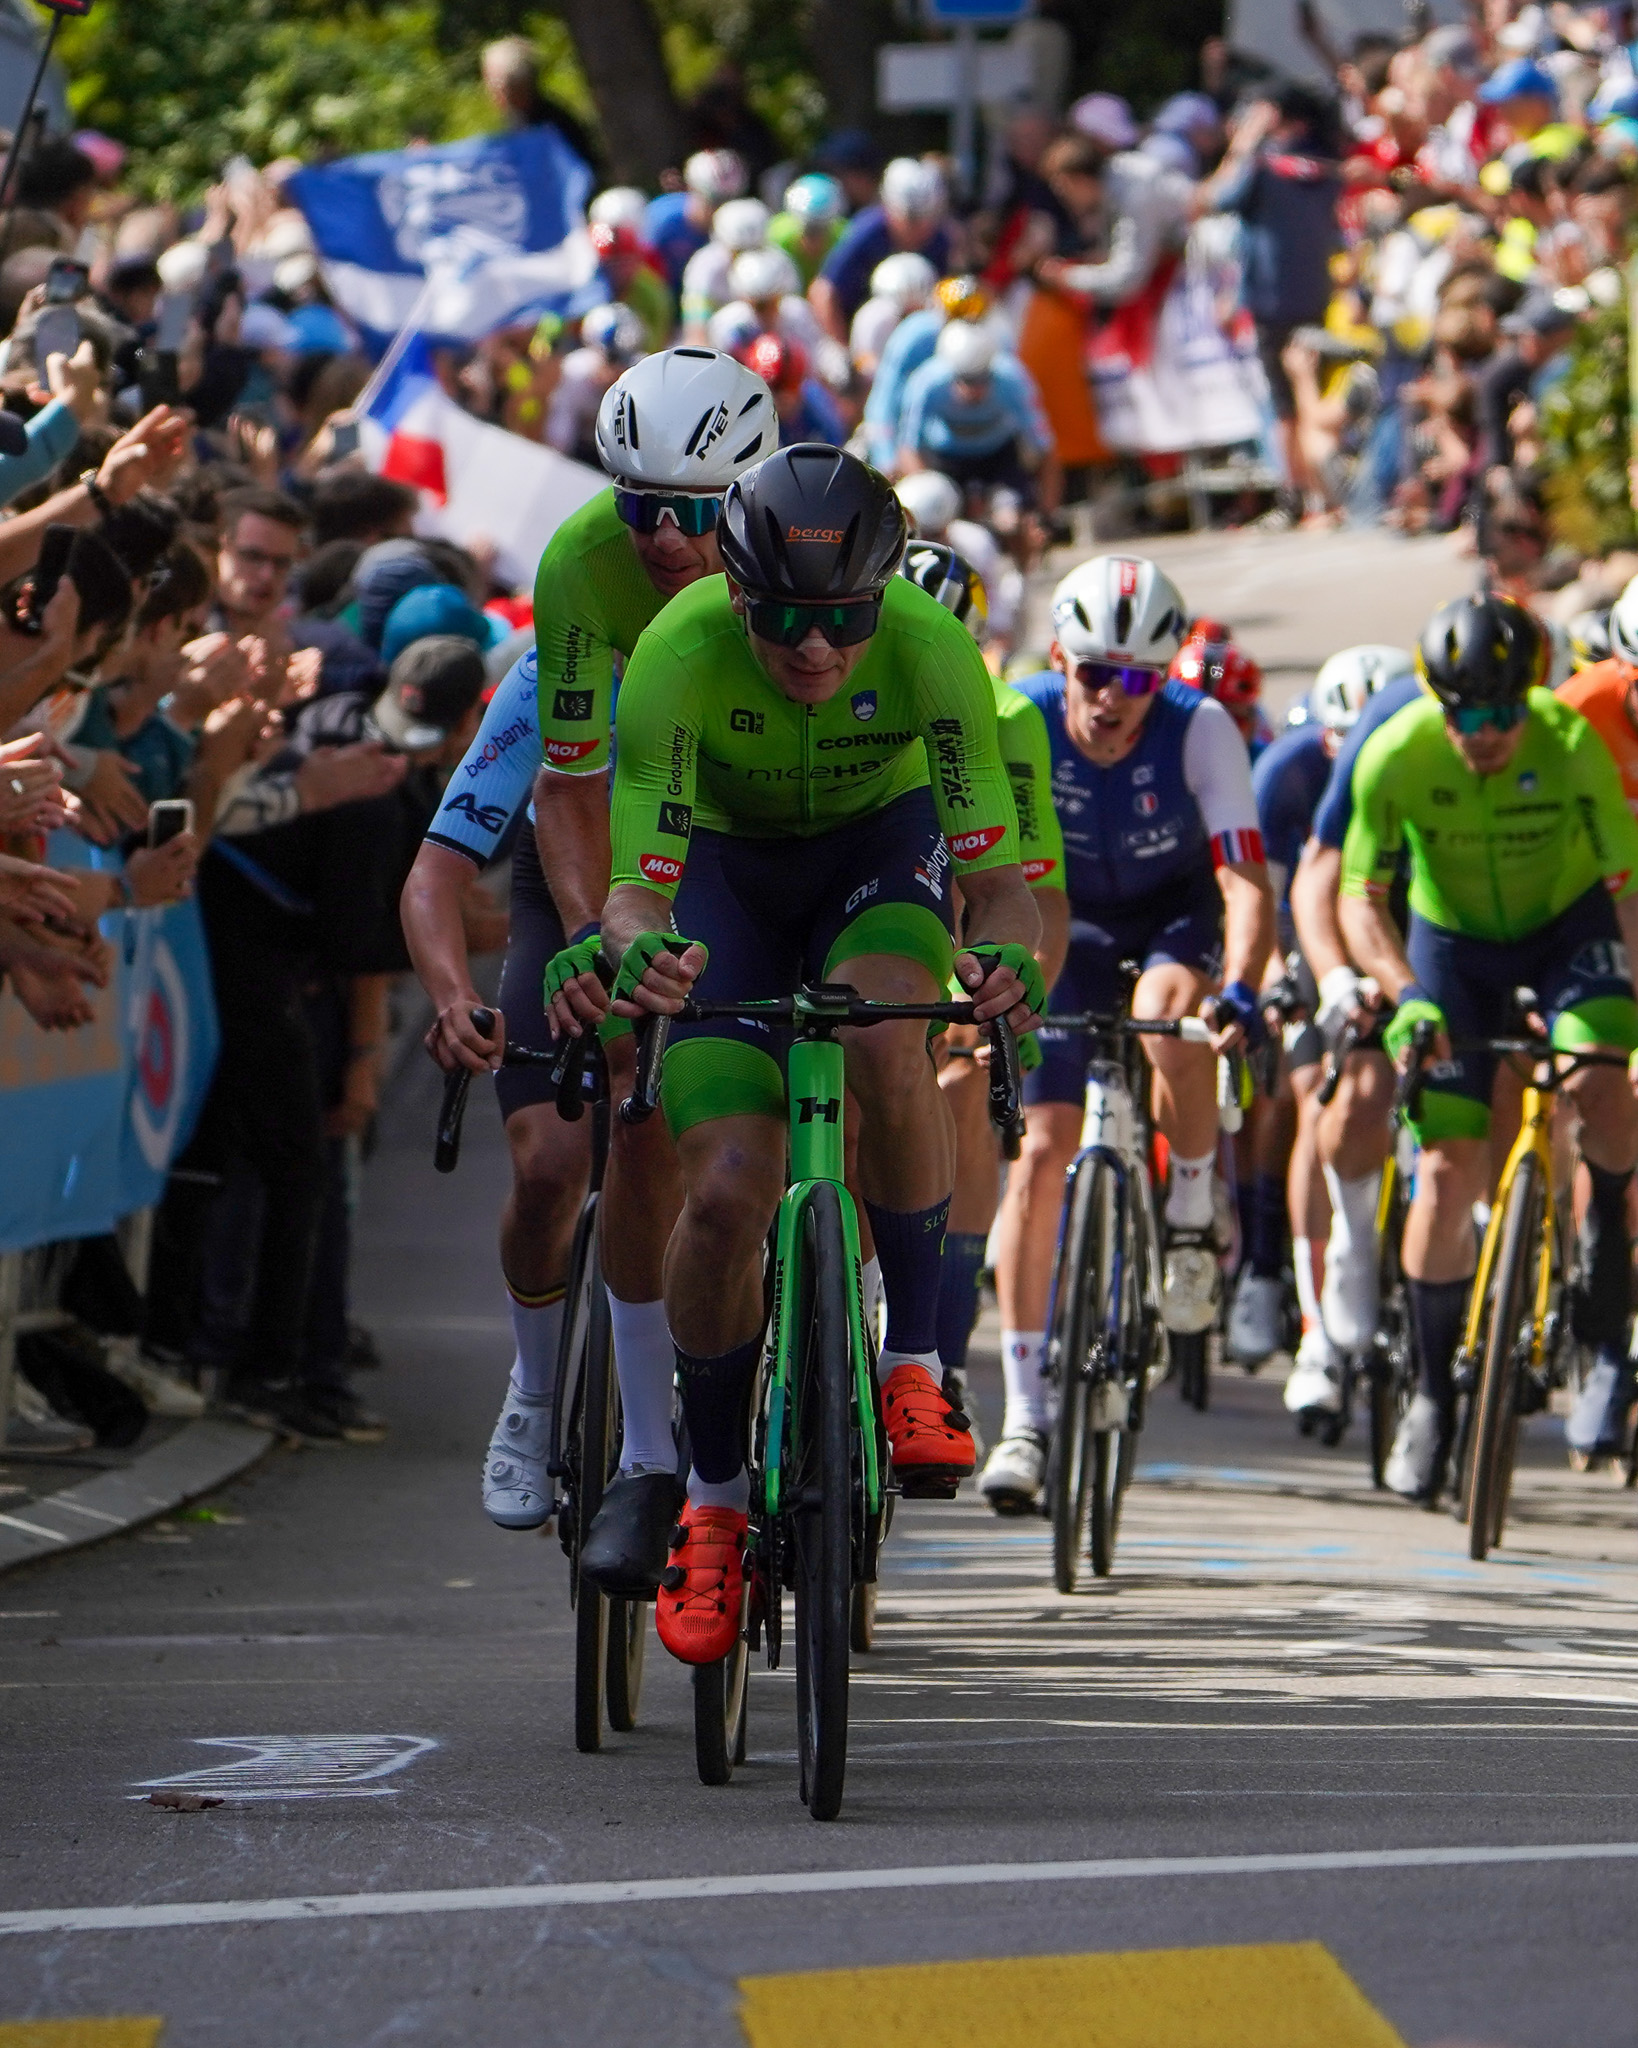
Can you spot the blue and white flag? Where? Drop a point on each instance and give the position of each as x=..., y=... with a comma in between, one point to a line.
x=464, y=236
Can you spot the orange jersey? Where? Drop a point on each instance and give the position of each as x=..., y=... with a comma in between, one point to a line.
x=1600, y=693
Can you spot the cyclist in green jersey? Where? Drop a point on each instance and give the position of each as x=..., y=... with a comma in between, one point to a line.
x=1524, y=873
x=806, y=753
x=674, y=431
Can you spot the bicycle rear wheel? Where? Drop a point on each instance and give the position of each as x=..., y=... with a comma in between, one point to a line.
x=1389, y=1369
x=1069, y=1471
x=628, y=1637
x=821, y=1504
x=598, y=1446
x=1191, y=1349
x=1512, y=1318
x=861, y=1631
x=1114, y=1446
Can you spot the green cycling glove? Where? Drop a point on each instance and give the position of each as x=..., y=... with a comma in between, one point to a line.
x=644, y=949
x=1030, y=1054
x=1412, y=1010
x=1022, y=962
x=571, y=963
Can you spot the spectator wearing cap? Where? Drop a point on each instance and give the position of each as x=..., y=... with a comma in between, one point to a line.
x=911, y=215
x=436, y=611
x=385, y=573
x=678, y=224
x=1524, y=97
x=1539, y=329
x=1280, y=175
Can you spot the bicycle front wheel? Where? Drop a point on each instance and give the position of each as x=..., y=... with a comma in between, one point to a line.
x=720, y=1700
x=1069, y=1472
x=821, y=1503
x=1390, y=1371
x=598, y=1445
x=628, y=1637
x=1506, y=1354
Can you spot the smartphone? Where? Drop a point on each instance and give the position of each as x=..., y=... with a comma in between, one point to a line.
x=55, y=549
x=66, y=281
x=169, y=818
x=56, y=333
x=157, y=378
x=343, y=440
x=174, y=316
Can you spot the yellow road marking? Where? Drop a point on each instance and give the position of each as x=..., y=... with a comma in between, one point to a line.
x=115, y=2033
x=1284, y=1995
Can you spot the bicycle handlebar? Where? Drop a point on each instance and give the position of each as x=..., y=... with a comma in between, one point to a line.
x=1347, y=1044
x=446, y=1151
x=841, y=1007
x=1192, y=1030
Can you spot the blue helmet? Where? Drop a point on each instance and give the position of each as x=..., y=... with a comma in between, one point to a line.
x=815, y=199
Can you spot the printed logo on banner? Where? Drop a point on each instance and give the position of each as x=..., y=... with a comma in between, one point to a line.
x=448, y=213
x=159, y=1093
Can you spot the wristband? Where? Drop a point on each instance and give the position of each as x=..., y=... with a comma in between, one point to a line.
x=586, y=931
x=1242, y=1003
x=95, y=492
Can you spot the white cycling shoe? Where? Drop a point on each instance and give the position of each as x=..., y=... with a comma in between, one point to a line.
x=1188, y=1291
x=1409, y=1469
x=1255, y=1318
x=1014, y=1471
x=516, y=1491
x=1315, y=1385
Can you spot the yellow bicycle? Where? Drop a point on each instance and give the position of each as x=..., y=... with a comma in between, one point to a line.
x=1516, y=1342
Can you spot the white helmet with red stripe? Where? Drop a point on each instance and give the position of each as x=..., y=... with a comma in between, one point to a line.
x=1119, y=608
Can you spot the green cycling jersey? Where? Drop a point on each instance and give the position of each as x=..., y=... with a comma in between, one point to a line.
x=592, y=600
x=1027, y=752
x=1495, y=856
x=704, y=737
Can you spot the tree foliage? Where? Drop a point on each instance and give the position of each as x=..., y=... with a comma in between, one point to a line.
x=1585, y=419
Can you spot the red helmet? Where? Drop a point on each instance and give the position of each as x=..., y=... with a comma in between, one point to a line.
x=1209, y=660
x=617, y=238
x=782, y=365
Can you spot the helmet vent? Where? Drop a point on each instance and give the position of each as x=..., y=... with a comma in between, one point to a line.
x=750, y=404
x=1123, y=618
x=631, y=425
x=750, y=448
x=697, y=355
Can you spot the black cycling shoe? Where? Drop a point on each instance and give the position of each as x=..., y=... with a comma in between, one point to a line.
x=627, y=1545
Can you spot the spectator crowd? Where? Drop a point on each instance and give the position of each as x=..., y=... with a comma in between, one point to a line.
x=208, y=599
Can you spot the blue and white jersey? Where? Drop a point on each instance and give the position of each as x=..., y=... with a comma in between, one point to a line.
x=497, y=772
x=1336, y=807
x=1287, y=780
x=1179, y=804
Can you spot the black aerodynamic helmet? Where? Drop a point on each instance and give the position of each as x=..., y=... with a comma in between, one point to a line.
x=1482, y=650
x=812, y=525
x=951, y=578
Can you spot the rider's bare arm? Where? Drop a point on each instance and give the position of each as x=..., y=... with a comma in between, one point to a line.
x=435, y=933
x=1371, y=937
x=1248, y=920
x=572, y=833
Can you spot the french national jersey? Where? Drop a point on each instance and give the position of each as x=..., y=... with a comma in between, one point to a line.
x=1179, y=803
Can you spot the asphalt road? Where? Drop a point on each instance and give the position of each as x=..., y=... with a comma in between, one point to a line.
x=1296, y=1716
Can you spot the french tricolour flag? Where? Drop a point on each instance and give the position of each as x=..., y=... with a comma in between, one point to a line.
x=476, y=481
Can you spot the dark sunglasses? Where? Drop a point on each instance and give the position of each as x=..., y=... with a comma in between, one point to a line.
x=1105, y=675
x=646, y=511
x=788, y=625
x=1472, y=718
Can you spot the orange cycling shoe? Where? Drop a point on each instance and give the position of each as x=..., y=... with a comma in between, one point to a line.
x=932, y=1442
x=701, y=1595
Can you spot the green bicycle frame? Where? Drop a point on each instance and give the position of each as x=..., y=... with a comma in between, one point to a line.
x=815, y=1093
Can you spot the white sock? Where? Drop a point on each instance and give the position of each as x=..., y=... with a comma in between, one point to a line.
x=888, y=1361
x=1353, y=1210
x=727, y=1493
x=871, y=1277
x=1188, y=1200
x=1302, y=1259
x=537, y=1330
x=1022, y=1353
x=646, y=1361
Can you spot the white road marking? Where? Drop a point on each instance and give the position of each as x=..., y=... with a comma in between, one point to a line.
x=300, y=1766
x=785, y=1884
x=32, y=1528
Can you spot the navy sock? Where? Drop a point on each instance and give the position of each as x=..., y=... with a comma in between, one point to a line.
x=958, y=1294
x=716, y=1400
x=909, y=1243
x=1265, y=1238
x=1599, y=1314
x=1438, y=1308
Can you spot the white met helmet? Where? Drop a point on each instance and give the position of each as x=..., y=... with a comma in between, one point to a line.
x=621, y=206
x=615, y=329
x=763, y=274
x=715, y=174
x=741, y=224
x=968, y=346
x=913, y=189
x=1349, y=678
x=1119, y=608
x=687, y=419
x=1623, y=626
x=931, y=500
x=906, y=277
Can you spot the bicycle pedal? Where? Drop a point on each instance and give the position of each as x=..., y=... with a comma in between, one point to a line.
x=931, y=1485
